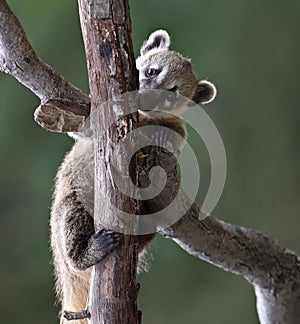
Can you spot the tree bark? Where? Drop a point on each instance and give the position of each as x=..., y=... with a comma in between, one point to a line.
x=64, y=107
x=111, y=67
x=272, y=269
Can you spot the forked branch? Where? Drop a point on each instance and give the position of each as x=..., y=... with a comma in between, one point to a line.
x=64, y=107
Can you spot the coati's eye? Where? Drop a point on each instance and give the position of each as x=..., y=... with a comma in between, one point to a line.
x=151, y=72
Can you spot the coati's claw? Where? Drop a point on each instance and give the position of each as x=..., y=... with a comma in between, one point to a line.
x=107, y=241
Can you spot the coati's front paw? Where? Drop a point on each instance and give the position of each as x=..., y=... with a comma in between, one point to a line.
x=106, y=241
x=98, y=247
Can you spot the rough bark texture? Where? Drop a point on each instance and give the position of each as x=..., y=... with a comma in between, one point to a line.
x=272, y=269
x=106, y=32
x=63, y=106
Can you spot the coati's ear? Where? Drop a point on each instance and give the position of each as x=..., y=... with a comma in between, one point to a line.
x=205, y=92
x=158, y=40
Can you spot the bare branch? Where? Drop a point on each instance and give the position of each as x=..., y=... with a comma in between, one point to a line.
x=18, y=59
x=273, y=270
x=61, y=116
x=76, y=315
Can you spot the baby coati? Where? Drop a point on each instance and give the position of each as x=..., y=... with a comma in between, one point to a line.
x=75, y=245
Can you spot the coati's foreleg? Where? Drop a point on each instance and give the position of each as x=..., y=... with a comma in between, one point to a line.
x=83, y=247
x=76, y=247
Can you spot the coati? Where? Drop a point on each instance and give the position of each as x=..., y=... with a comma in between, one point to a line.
x=75, y=245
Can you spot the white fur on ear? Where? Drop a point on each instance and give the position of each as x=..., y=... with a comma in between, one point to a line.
x=157, y=41
x=205, y=92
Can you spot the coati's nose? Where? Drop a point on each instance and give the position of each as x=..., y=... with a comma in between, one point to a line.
x=144, y=84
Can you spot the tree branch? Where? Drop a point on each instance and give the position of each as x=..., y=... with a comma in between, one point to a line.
x=64, y=107
x=273, y=270
x=71, y=316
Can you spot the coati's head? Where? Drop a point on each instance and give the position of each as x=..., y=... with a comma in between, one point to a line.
x=160, y=68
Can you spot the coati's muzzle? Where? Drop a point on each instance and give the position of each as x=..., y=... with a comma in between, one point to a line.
x=162, y=100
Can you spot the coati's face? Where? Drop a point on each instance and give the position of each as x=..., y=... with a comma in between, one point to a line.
x=167, y=70
x=160, y=68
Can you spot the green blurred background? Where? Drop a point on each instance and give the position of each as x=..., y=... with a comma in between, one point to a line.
x=251, y=50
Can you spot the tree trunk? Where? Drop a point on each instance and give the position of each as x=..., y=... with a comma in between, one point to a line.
x=111, y=67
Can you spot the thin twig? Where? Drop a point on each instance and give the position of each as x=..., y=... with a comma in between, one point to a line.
x=76, y=315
